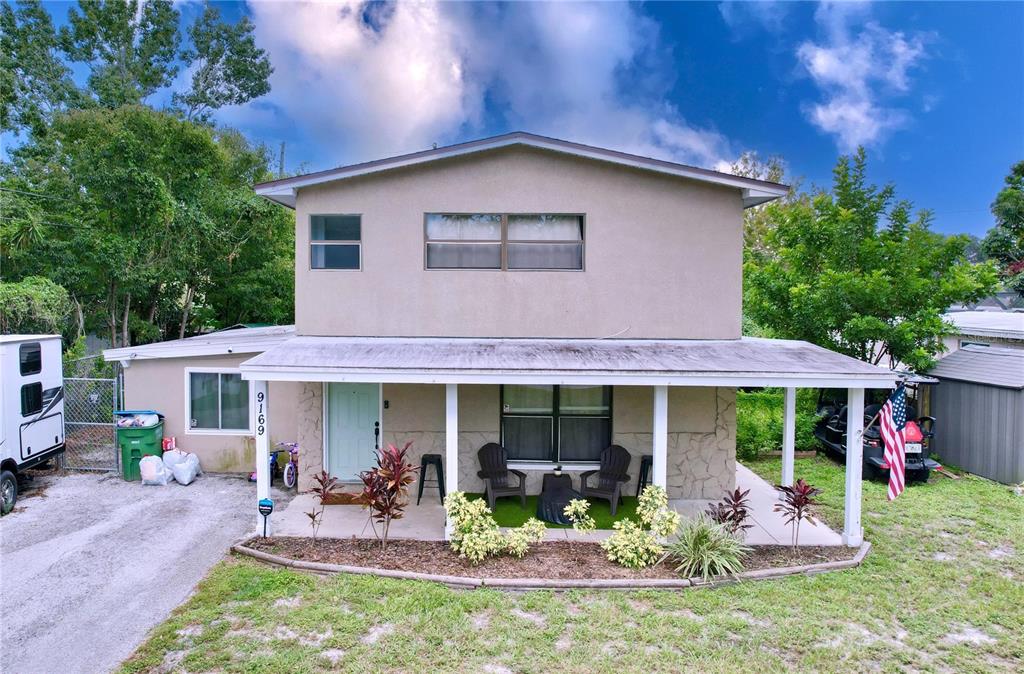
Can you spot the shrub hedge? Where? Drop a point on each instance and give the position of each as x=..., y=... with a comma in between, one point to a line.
x=759, y=421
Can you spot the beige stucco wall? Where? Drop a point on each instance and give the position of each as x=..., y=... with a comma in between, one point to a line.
x=662, y=254
x=702, y=432
x=160, y=385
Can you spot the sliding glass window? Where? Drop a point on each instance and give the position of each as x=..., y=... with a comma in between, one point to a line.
x=504, y=241
x=335, y=242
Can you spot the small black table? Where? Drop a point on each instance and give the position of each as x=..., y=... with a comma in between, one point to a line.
x=555, y=493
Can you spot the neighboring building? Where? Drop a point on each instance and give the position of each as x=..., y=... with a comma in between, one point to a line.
x=991, y=327
x=979, y=411
x=550, y=296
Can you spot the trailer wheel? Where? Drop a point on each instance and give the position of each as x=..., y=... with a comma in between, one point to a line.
x=8, y=491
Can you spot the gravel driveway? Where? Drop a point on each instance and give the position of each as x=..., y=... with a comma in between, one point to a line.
x=91, y=563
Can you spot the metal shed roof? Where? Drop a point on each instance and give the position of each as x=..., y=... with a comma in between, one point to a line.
x=231, y=340
x=1003, y=324
x=754, y=191
x=736, y=362
x=983, y=365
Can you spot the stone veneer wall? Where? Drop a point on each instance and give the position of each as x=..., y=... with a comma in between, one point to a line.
x=701, y=443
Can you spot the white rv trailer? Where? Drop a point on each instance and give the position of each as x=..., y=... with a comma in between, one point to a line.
x=32, y=405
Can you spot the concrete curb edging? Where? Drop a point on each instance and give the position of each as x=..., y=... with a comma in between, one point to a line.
x=556, y=584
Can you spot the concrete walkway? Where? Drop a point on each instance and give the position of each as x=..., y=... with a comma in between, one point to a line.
x=426, y=521
x=90, y=563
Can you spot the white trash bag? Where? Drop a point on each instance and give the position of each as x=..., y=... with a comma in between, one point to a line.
x=173, y=457
x=153, y=472
x=187, y=470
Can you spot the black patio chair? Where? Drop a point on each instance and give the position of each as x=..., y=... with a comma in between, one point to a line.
x=496, y=474
x=610, y=477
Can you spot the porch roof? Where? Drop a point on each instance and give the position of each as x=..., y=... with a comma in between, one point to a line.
x=735, y=362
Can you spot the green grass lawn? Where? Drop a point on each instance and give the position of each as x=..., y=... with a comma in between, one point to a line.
x=942, y=590
x=509, y=513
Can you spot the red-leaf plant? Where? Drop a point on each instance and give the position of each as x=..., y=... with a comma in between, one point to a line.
x=385, y=489
x=323, y=489
x=796, y=506
x=732, y=511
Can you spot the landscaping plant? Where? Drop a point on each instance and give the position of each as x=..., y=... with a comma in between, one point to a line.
x=386, y=489
x=796, y=505
x=476, y=536
x=732, y=511
x=324, y=488
x=705, y=548
x=578, y=512
x=638, y=544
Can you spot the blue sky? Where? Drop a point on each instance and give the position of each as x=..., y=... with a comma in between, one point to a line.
x=935, y=91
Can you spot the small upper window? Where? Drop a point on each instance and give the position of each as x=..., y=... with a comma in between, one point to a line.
x=31, y=358
x=31, y=399
x=335, y=241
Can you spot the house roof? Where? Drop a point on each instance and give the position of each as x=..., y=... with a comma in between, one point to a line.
x=222, y=342
x=992, y=365
x=1002, y=324
x=754, y=191
x=683, y=362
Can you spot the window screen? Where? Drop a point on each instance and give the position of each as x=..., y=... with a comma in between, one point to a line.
x=496, y=241
x=218, y=401
x=556, y=423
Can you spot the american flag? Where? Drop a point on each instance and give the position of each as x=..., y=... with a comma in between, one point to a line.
x=893, y=420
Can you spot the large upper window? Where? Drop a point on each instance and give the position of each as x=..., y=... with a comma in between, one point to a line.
x=556, y=423
x=496, y=241
x=218, y=401
x=335, y=241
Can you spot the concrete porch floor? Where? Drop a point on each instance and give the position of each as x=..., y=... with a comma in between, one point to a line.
x=426, y=521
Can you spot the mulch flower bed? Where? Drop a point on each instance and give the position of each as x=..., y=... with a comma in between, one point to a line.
x=550, y=559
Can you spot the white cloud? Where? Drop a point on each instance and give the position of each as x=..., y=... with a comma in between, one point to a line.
x=744, y=17
x=413, y=74
x=855, y=70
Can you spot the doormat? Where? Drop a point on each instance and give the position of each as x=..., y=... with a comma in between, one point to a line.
x=342, y=498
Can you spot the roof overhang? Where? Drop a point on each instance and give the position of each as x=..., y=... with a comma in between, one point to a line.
x=428, y=360
x=753, y=191
x=221, y=343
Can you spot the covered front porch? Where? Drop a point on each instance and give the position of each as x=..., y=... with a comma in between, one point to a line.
x=695, y=465
x=425, y=522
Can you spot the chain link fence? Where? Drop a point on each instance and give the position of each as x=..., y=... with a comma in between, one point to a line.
x=89, y=431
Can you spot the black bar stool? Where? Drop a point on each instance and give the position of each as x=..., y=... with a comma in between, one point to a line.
x=435, y=461
x=646, y=464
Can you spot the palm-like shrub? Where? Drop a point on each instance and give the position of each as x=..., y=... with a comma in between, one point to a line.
x=732, y=511
x=796, y=506
x=386, y=488
x=705, y=548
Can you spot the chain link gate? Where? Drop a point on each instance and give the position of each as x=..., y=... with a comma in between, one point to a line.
x=89, y=432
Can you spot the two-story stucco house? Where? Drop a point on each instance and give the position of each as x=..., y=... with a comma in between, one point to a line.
x=549, y=296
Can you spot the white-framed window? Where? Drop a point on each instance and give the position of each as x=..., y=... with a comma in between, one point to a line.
x=335, y=242
x=217, y=401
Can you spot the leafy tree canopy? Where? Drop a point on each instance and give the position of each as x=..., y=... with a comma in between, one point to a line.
x=851, y=269
x=1004, y=243
x=33, y=305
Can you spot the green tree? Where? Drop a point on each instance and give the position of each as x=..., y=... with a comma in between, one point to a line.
x=131, y=50
x=33, y=305
x=850, y=269
x=1004, y=243
x=34, y=80
x=227, y=66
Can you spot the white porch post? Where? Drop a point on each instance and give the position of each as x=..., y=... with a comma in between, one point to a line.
x=451, y=444
x=853, y=534
x=788, y=435
x=661, y=436
x=259, y=388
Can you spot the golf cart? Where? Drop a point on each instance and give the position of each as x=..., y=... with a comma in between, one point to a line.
x=830, y=432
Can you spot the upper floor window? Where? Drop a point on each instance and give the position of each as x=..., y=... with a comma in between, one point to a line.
x=335, y=241
x=536, y=241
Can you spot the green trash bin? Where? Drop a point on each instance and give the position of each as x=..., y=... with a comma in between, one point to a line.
x=136, y=442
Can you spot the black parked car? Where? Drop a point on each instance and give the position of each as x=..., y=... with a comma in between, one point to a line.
x=831, y=434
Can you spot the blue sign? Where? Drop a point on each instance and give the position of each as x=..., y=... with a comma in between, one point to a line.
x=266, y=506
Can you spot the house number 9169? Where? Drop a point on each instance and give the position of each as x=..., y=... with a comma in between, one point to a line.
x=261, y=418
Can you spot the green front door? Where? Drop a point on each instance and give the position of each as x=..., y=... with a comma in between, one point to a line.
x=353, y=427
